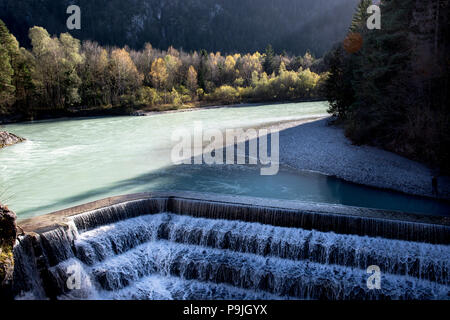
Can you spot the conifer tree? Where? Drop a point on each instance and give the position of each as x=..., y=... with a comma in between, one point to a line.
x=269, y=60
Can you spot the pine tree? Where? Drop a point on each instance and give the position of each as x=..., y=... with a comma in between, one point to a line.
x=338, y=85
x=269, y=60
x=360, y=16
x=203, y=69
x=380, y=73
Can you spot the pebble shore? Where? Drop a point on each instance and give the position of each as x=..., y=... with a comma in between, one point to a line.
x=317, y=146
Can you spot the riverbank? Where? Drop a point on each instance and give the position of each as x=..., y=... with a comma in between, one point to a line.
x=145, y=113
x=91, y=112
x=188, y=108
x=8, y=139
x=317, y=146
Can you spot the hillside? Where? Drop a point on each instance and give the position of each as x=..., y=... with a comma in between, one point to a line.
x=215, y=25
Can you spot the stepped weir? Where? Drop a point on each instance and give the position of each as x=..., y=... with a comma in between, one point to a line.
x=183, y=245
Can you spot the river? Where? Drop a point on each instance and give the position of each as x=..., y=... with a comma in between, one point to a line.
x=67, y=162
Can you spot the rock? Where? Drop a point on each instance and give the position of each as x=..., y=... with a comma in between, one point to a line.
x=8, y=235
x=138, y=113
x=8, y=139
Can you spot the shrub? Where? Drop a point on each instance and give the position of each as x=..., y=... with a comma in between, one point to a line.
x=147, y=96
x=225, y=94
x=175, y=98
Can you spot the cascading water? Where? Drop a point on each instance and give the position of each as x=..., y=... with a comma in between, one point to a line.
x=147, y=249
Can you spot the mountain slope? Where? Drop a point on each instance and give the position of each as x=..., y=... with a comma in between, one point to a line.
x=215, y=25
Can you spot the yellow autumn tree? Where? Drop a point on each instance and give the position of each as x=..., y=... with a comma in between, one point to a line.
x=249, y=63
x=308, y=80
x=229, y=70
x=159, y=74
x=125, y=77
x=191, y=79
x=230, y=64
x=173, y=64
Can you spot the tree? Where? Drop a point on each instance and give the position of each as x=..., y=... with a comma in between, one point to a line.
x=191, y=80
x=173, y=64
x=203, y=69
x=308, y=60
x=159, y=74
x=269, y=60
x=338, y=86
x=125, y=79
x=360, y=16
x=24, y=83
x=308, y=82
x=71, y=60
x=57, y=62
x=9, y=51
x=143, y=61
x=228, y=71
x=95, y=88
x=6, y=83
x=16, y=67
x=225, y=94
x=247, y=64
x=392, y=92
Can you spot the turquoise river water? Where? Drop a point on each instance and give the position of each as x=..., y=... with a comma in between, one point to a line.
x=72, y=161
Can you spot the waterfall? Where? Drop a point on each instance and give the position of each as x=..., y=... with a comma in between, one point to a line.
x=92, y=219
x=172, y=248
x=421, y=260
x=307, y=219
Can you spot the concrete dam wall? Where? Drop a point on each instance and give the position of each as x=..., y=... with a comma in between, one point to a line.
x=203, y=246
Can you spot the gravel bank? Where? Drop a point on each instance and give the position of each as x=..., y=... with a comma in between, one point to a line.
x=318, y=147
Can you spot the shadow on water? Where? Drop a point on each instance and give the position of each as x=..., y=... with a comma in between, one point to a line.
x=245, y=180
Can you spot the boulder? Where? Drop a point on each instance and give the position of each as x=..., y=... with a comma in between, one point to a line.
x=8, y=139
x=8, y=235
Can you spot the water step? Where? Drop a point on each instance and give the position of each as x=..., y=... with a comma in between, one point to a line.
x=130, y=245
x=421, y=260
x=299, y=279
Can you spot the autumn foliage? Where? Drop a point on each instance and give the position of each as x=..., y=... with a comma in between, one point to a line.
x=61, y=75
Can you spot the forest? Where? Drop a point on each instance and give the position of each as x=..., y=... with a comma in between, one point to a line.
x=61, y=75
x=389, y=87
